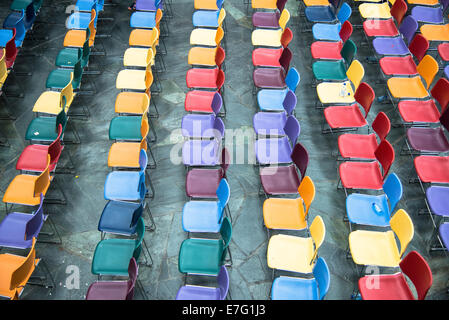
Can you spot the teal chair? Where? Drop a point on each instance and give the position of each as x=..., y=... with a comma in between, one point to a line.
x=111, y=256
x=68, y=57
x=206, y=256
x=18, y=5
x=59, y=78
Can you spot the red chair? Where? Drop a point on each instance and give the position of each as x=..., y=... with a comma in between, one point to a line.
x=341, y=117
x=271, y=60
x=395, y=286
x=205, y=78
x=331, y=49
x=263, y=56
x=11, y=50
x=34, y=157
x=273, y=77
x=443, y=51
x=412, y=111
x=368, y=175
x=363, y=146
x=432, y=169
x=386, y=27
x=203, y=101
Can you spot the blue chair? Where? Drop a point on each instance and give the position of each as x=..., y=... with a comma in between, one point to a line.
x=143, y=19
x=331, y=32
x=323, y=14
x=288, y=104
x=374, y=210
x=19, y=25
x=14, y=17
x=80, y=20
x=291, y=288
x=207, y=216
x=205, y=18
x=269, y=99
x=86, y=5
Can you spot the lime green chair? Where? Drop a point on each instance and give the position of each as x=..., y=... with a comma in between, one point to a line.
x=68, y=57
x=111, y=256
x=59, y=78
x=206, y=256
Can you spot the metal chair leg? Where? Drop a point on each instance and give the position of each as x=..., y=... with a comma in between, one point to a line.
x=152, y=227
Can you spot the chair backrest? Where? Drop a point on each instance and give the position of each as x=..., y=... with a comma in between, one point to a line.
x=21, y=274
x=219, y=36
x=223, y=282
x=444, y=5
x=219, y=3
x=292, y=79
x=38, y=4
x=284, y=18
x=217, y=103
x=292, y=129
x=408, y=28
x=385, y=155
x=3, y=68
x=43, y=180
x=67, y=91
x=224, y=160
x=344, y=13
x=285, y=59
x=307, y=192
x=348, y=51
x=35, y=222
x=393, y=189
x=219, y=128
x=20, y=26
x=419, y=46
x=381, y=125
x=78, y=69
x=300, y=158
x=346, y=31
x=220, y=56
x=286, y=38
x=133, y=271
x=365, y=96
x=416, y=268
x=148, y=76
x=61, y=118
x=223, y=193
x=55, y=148
x=226, y=231
x=11, y=50
x=220, y=79
x=221, y=16
x=289, y=102
x=317, y=232
x=428, y=69
x=143, y=160
x=402, y=226
x=30, y=15
x=444, y=119
x=280, y=4
x=140, y=231
x=322, y=276
x=137, y=213
x=150, y=56
x=440, y=92
x=86, y=49
x=92, y=30
x=398, y=11
x=355, y=73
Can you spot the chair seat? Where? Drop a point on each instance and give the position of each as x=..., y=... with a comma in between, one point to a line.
x=319, y=14
x=124, y=155
x=59, y=78
x=272, y=78
x=269, y=123
x=432, y=169
x=271, y=100
x=203, y=37
x=419, y=111
x=10, y=263
x=86, y=5
x=203, y=183
x=444, y=234
x=125, y=128
x=374, y=248
x=117, y=218
x=361, y=175
x=201, y=216
x=438, y=199
x=401, y=88
x=326, y=50
x=284, y=214
x=266, y=57
x=357, y=146
x=200, y=126
x=279, y=180
x=6, y=35
x=273, y=151
x=114, y=186
x=200, y=256
x=76, y=38
x=443, y=51
x=375, y=10
x=330, y=92
x=13, y=18
x=290, y=253
x=111, y=257
x=202, y=56
x=141, y=38
x=34, y=158
x=42, y=129
x=200, y=153
x=190, y=292
x=143, y=19
x=199, y=101
x=13, y=229
x=289, y=288
x=390, y=46
x=398, y=65
x=344, y=117
x=132, y=102
x=434, y=32
x=79, y=20
x=446, y=72
x=310, y=3
x=380, y=28
x=329, y=70
x=205, y=5
x=326, y=31
x=21, y=190
x=428, y=139
x=368, y=209
x=205, y=18
x=427, y=14
x=423, y=2
x=266, y=19
x=18, y=5
x=266, y=38
x=68, y=57
x=202, y=78
x=136, y=57
x=107, y=290
x=131, y=79
x=389, y=287
x=148, y=5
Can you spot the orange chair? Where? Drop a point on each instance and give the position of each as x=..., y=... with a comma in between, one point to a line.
x=206, y=57
x=76, y=38
x=136, y=103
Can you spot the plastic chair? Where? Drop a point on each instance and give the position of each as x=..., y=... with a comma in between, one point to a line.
x=433, y=15
x=206, y=37
x=145, y=19
x=208, y=19
x=203, y=126
x=269, y=37
x=270, y=123
x=291, y=288
x=443, y=51
x=203, y=101
x=334, y=50
x=17, y=21
x=18, y=5
x=375, y=10
x=46, y=128
x=273, y=54
x=327, y=70
x=329, y=13
x=76, y=38
x=205, y=78
x=59, y=78
x=379, y=248
x=368, y=175
x=375, y=210
x=14, y=17
x=80, y=20
x=68, y=57
x=288, y=105
x=423, y=2
x=201, y=152
x=133, y=79
x=268, y=59
x=191, y=292
x=270, y=20
x=264, y=4
x=435, y=32
x=52, y=102
x=274, y=78
x=138, y=57
x=395, y=286
x=149, y=5
x=144, y=38
x=206, y=57
x=86, y=5
x=432, y=169
x=330, y=32
x=205, y=256
x=3, y=68
x=386, y=27
x=10, y=53
x=296, y=254
x=115, y=290
x=208, y=4
x=285, y=179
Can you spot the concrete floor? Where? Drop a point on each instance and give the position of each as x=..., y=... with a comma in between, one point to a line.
x=250, y=275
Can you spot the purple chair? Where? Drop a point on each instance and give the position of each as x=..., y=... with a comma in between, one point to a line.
x=201, y=152
x=268, y=19
x=149, y=5
x=430, y=140
x=191, y=292
x=285, y=179
x=205, y=126
x=433, y=15
x=444, y=234
x=115, y=290
x=278, y=150
x=396, y=46
x=438, y=199
x=273, y=78
x=446, y=72
x=270, y=123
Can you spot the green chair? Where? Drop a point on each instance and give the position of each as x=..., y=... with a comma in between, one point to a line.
x=59, y=78
x=206, y=256
x=68, y=57
x=125, y=128
x=18, y=5
x=111, y=256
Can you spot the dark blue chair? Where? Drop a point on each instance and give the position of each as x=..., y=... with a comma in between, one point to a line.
x=14, y=22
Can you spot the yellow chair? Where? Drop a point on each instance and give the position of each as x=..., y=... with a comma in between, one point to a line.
x=25, y=189
x=270, y=37
x=434, y=32
x=296, y=254
x=205, y=5
x=206, y=37
x=148, y=38
x=3, y=68
x=313, y=3
x=376, y=10
x=132, y=79
x=264, y=4
x=52, y=102
x=138, y=57
x=290, y=214
x=423, y=2
x=76, y=38
x=342, y=92
x=379, y=248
